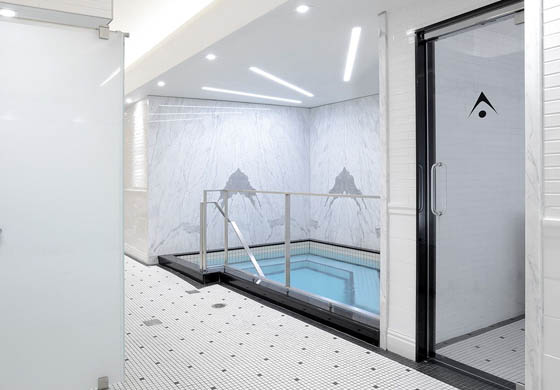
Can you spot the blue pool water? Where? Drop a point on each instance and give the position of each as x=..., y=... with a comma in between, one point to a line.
x=352, y=284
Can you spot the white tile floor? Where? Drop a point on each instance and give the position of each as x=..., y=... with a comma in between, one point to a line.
x=244, y=345
x=500, y=352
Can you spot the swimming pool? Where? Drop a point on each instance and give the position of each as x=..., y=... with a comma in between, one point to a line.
x=344, y=282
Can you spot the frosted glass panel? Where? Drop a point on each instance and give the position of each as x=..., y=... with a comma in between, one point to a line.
x=61, y=278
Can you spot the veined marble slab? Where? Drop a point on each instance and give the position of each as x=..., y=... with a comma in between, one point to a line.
x=345, y=158
x=195, y=145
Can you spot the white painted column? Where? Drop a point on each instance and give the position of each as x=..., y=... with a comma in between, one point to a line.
x=384, y=221
x=533, y=195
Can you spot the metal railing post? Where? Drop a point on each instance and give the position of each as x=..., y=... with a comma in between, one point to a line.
x=226, y=227
x=287, y=253
x=203, y=236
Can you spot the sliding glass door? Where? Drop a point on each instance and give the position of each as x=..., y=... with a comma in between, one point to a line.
x=472, y=188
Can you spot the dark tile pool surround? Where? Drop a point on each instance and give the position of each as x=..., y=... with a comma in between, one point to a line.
x=355, y=321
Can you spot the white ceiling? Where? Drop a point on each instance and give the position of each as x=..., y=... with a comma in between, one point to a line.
x=307, y=50
x=151, y=21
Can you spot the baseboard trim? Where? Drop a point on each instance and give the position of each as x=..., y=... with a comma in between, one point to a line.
x=401, y=345
x=137, y=254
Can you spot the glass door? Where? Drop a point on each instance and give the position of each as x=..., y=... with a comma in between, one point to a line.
x=474, y=185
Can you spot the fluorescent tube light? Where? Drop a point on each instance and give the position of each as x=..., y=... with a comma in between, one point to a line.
x=352, y=51
x=280, y=81
x=211, y=89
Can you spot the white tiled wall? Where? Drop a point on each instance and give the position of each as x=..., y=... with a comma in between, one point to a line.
x=136, y=181
x=551, y=226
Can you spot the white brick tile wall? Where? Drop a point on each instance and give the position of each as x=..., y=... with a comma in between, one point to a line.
x=551, y=173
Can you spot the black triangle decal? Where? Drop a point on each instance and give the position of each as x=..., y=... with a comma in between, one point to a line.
x=482, y=99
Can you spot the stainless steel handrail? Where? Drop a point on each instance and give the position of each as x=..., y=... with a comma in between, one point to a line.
x=287, y=223
x=301, y=194
x=237, y=232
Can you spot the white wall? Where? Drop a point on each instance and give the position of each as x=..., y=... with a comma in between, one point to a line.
x=213, y=144
x=191, y=152
x=99, y=8
x=83, y=13
x=551, y=196
x=345, y=158
x=61, y=252
x=480, y=237
x=401, y=139
x=136, y=181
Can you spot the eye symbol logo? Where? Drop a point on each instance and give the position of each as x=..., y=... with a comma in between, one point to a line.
x=482, y=99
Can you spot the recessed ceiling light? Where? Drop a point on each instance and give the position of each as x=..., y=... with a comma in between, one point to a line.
x=352, y=51
x=161, y=83
x=302, y=9
x=7, y=13
x=128, y=100
x=211, y=57
x=280, y=81
x=211, y=89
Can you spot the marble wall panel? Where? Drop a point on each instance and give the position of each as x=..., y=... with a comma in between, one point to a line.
x=345, y=158
x=196, y=145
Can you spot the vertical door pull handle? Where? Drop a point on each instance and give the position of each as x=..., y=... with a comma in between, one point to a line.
x=433, y=190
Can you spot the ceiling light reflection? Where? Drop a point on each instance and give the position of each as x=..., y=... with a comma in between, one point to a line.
x=215, y=107
x=249, y=94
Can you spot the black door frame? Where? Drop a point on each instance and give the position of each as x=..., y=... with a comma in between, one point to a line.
x=425, y=220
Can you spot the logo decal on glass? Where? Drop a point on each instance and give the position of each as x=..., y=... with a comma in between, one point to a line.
x=482, y=99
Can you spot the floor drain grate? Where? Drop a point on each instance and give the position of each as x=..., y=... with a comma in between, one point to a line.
x=153, y=322
x=219, y=305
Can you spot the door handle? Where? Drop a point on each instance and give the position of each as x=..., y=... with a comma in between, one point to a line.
x=420, y=183
x=433, y=190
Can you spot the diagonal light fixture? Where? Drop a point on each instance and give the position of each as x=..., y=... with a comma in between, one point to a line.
x=352, y=51
x=240, y=93
x=280, y=81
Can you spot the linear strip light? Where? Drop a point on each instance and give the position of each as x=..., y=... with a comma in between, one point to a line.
x=280, y=81
x=352, y=51
x=212, y=89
